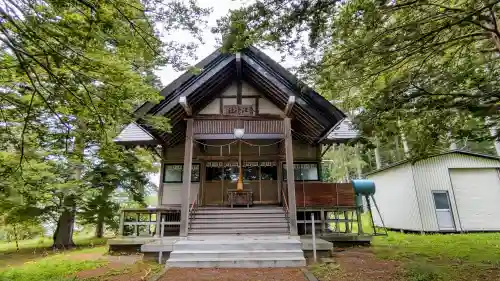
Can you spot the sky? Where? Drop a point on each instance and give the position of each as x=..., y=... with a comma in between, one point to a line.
x=220, y=8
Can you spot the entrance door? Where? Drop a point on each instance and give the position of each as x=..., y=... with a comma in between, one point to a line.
x=443, y=210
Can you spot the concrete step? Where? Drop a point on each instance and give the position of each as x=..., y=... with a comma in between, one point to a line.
x=240, y=211
x=244, y=238
x=240, y=231
x=239, y=207
x=237, y=254
x=238, y=216
x=241, y=243
x=237, y=263
x=196, y=225
x=238, y=220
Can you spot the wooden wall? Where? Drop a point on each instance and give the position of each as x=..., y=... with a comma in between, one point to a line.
x=322, y=194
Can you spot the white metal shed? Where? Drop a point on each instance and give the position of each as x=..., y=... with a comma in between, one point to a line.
x=449, y=192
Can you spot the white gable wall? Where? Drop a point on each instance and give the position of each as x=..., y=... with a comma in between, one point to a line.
x=396, y=198
x=434, y=174
x=265, y=106
x=133, y=132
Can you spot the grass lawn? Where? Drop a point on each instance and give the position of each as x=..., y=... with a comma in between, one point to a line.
x=57, y=267
x=34, y=249
x=412, y=257
x=443, y=257
x=88, y=262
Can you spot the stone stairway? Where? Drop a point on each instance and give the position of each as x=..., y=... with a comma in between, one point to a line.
x=245, y=238
x=239, y=221
x=237, y=251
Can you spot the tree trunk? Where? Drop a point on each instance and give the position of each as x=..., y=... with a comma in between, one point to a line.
x=15, y=237
x=99, y=228
x=63, y=236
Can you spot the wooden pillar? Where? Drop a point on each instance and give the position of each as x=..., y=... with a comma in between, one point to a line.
x=323, y=222
x=158, y=224
x=186, y=178
x=290, y=177
x=122, y=223
x=162, y=174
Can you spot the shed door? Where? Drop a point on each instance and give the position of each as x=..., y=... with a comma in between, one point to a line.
x=477, y=193
x=443, y=210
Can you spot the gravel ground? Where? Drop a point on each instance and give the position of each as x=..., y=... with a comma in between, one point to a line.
x=236, y=274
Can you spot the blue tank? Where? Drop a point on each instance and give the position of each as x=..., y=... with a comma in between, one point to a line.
x=363, y=187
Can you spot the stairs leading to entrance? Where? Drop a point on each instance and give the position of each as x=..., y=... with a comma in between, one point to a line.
x=238, y=237
x=239, y=221
x=237, y=251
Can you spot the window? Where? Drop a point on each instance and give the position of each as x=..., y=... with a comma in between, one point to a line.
x=217, y=171
x=173, y=173
x=304, y=171
x=441, y=200
x=268, y=171
x=230, y=171
x=251, y=171
x=214, y=171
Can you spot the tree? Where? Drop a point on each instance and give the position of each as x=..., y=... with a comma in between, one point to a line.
x=72, y=73
x=424, y=69
x=117, y=170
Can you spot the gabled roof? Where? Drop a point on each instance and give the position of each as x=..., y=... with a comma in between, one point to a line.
x=456, y=151
x=313, y=116
x=134, y=133
x=343, y=132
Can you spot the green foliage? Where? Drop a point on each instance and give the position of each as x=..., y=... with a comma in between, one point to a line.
x=72, y=73
x=42, y=244
x=160, y=123
x=57, y=267
x=442, y=257
x=422, y=272
x=342, y=163
x=423, y=69
x=117, y=170
x=21, y=230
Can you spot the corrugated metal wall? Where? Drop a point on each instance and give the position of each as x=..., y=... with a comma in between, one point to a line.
x=396, y=198
x=433, y=174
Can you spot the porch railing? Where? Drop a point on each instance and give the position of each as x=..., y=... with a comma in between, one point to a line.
x=192, y=211
x=148, y=222
x=285, y=208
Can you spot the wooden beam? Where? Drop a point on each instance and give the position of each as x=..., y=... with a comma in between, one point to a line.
x=326, y=150
x=239, y=72
x=239, y=86
x=290, y=178
x=185, y=105
x=289, y=105
x=186, y=179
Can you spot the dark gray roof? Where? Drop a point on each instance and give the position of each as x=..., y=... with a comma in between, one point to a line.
x=458, y=151
x=314, y=116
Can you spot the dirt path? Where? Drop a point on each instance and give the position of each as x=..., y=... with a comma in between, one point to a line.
x=358, y=265
x=257, y=274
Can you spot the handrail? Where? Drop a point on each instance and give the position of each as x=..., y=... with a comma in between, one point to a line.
x=192, y=211
x=192, y=205
x=285, y=208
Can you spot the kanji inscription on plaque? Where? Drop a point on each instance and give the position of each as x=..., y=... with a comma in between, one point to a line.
x=239, y=110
